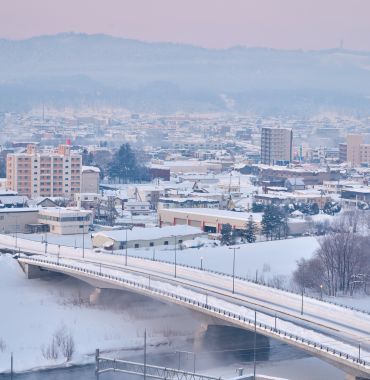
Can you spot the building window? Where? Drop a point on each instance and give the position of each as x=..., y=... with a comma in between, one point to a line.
x=136, y=245
x=151, y=244
x=166, y=242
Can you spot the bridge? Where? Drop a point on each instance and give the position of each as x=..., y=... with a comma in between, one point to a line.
x=333, y=333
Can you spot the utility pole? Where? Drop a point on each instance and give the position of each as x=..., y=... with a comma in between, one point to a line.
x=11, y=366
x=16, y=231
x=254, y=345
x=302, y=289
x=126, y=249
x=97, y=369
x=83, y=241
x=359, y=351
x=234, y=248
x=145, y=354
x=175, y=255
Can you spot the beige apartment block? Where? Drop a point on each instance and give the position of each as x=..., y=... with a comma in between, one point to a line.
x=276, y=145
x=357, y=152
x=90, y=178
x=54, y=173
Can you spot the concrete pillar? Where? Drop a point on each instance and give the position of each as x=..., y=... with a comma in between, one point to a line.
x=33, y=271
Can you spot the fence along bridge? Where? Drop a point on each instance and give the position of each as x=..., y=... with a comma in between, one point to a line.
x=355, y=365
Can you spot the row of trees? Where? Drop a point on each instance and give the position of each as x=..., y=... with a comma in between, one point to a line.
x=274, y=225
x=229, y=234
x=125, y=168
x=341, y=263
x=306, y=208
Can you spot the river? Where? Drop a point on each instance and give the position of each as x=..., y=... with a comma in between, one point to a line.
x=221, y=351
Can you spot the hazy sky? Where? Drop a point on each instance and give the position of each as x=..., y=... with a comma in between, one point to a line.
x=307, y=24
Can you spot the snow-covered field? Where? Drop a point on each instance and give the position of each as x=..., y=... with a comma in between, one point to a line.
x=33, y=310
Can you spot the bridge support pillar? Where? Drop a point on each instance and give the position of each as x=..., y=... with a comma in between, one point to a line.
x=95, y=296
x=33, y=271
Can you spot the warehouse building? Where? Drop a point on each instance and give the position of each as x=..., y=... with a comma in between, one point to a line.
x=139, y=237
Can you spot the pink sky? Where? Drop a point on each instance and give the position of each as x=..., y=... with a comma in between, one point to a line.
x=307, y=24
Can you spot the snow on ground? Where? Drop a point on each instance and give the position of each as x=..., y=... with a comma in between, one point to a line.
x=33, y=310
x=269, y=258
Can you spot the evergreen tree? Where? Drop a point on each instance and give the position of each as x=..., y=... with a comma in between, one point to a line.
x=331, y=208
x=274, y=222
x=227, y=237
x=250, y=231
x=125, y=167
x=257, y=207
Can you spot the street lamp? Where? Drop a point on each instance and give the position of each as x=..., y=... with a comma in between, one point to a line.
x=126, y=243
x=16, y=231
x=234, y=248
x=126, y=248
x=83, y=241
x=302, y=289
x=321, y=286
x=175, y=255
x=201, y=263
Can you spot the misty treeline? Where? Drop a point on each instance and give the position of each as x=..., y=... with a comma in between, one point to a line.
x=341, y=264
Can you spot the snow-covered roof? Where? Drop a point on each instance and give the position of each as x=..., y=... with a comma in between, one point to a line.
x=90, y=168
x=151, y=233
x=57, y=211
x=18, y=209
x=243, y=216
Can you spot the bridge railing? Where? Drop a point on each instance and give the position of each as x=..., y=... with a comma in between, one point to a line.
x=246, y=279
x=206, y=307
x=241, y=278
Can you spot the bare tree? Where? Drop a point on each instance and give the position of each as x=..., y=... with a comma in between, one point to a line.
x=68, y=346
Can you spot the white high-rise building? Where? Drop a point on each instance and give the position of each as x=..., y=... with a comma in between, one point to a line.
x=276, y=145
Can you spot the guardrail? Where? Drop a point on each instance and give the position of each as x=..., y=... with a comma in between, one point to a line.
x=206, y=307
x=246, y=279
x=240, y=278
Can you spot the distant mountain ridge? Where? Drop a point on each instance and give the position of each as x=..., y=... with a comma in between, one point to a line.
x=68, y=68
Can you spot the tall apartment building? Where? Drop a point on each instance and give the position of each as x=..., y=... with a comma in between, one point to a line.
x=357, y=151
x=55, y=173
x=276, y=145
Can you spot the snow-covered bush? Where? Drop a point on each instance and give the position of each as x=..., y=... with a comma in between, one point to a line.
x=61, y=344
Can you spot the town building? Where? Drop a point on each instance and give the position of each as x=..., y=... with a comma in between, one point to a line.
x=276, y=146
x=14, y=220
x=139, y=237
x=54, y=173
x=66, y=221
x=357, y=151
x=208, y=219
x=90, y=178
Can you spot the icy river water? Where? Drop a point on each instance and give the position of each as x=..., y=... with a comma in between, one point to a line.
x=215, y=358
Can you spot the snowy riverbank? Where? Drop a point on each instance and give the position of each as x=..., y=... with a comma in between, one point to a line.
x=33, y=310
